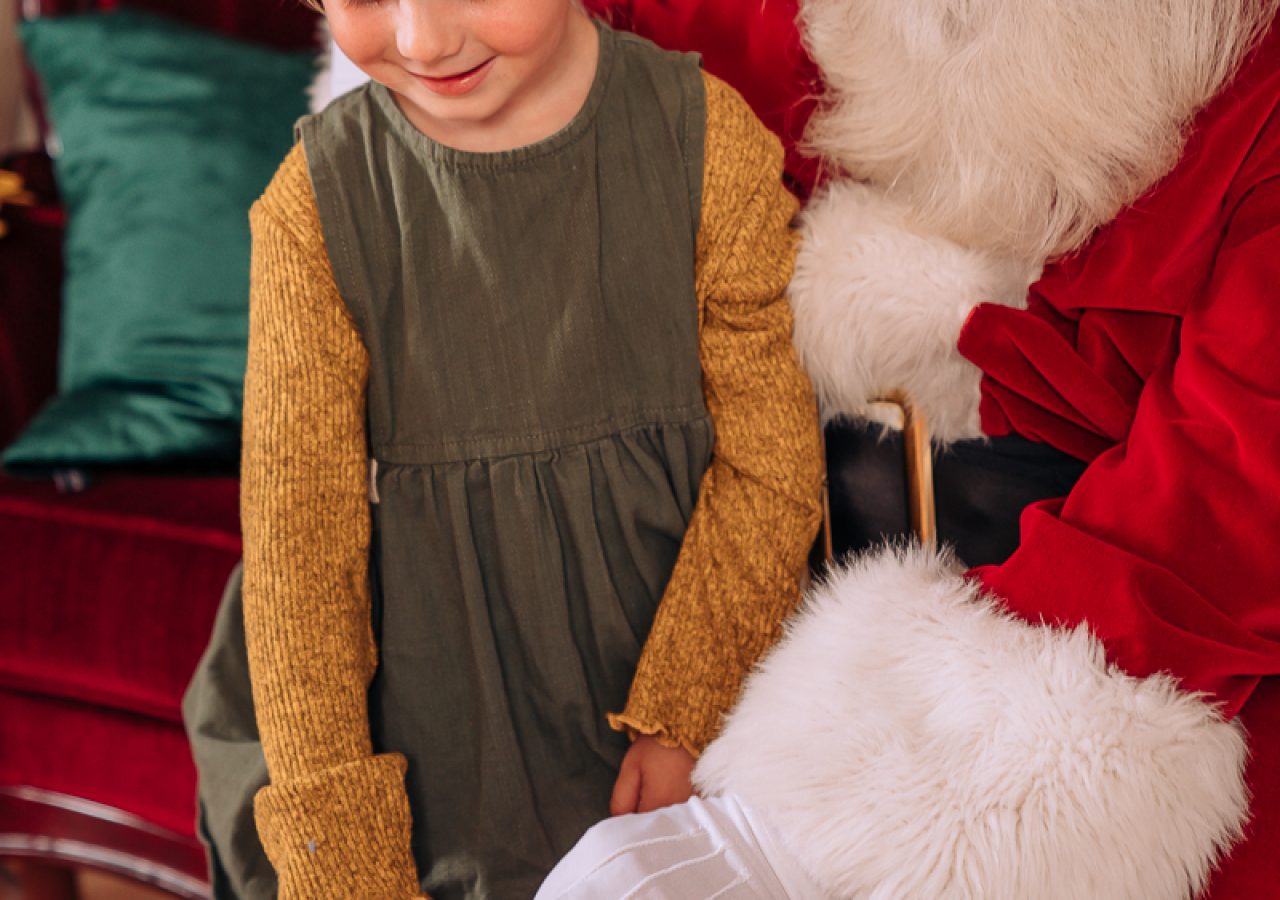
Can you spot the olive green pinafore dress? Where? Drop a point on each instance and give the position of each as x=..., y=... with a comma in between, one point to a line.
x=537, y=435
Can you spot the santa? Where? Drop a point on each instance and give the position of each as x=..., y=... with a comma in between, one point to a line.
x=1055, y=226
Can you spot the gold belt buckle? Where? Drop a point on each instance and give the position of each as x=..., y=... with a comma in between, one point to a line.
x=918, y=464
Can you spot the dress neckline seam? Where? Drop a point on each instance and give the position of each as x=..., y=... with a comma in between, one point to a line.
x=435, y=152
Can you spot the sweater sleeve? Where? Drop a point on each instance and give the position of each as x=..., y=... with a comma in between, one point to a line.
x=744, y=555
x=335, y=819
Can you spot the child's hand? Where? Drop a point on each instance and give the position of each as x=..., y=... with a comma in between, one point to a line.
x=652, y=776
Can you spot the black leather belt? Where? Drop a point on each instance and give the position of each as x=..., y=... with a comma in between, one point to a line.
x=980, y=489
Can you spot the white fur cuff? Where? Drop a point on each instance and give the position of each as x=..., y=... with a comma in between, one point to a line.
x=910, y=739
x=879, y=309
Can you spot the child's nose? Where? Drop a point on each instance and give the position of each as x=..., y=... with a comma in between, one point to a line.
x=427, y=30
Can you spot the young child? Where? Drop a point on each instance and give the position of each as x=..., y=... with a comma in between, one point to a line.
x=520, y=367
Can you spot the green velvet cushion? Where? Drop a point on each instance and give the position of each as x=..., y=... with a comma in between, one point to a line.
x=168, y=135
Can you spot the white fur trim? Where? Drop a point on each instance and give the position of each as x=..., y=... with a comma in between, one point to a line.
x=910, y=739
x=335, y=73
x=879, y=308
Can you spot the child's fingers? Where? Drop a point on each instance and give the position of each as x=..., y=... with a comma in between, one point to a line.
x=626, y=790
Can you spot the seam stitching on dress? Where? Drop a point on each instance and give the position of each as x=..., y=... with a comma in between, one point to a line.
x=605, y=429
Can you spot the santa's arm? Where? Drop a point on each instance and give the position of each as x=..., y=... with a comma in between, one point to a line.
x=1167, y=545
x=1037, y=729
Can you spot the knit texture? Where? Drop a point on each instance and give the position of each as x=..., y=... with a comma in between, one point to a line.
x=335, y=820
x=745, y=552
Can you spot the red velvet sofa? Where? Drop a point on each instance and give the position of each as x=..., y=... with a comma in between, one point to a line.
x=107, y=595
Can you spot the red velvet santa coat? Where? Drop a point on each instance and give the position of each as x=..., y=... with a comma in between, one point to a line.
x=1154, y=354
x=912, y=739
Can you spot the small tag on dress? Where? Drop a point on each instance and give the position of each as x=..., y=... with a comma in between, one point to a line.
x=373, y=481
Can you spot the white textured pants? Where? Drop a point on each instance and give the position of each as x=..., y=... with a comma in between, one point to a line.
x=715, y=849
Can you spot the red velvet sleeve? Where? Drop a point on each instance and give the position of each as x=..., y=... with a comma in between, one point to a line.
x=1169, y=546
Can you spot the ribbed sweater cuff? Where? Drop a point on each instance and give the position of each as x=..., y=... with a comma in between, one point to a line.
x=342, y=832
x=635, y=726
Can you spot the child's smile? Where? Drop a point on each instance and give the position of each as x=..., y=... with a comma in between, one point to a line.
x=478, y=75
x=459, y=84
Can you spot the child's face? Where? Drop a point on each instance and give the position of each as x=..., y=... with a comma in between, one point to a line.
x=455, y=63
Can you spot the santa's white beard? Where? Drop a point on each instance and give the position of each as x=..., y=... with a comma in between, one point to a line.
x=1018, y=126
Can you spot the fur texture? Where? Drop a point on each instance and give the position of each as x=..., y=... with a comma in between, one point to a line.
x=1018, y=126
x=878, y=308
x=912, y=740
x=335, y=73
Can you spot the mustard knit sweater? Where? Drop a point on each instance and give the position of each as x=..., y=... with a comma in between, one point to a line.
x=335, y=820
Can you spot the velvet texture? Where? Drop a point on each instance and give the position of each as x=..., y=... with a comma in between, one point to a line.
x=168, y=136
x=132, y=763
x=109, y=597
x=104, y=616
x=1151, y=355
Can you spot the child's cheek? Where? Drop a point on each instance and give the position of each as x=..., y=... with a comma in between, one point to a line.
x=523, y=29
x=362, y=36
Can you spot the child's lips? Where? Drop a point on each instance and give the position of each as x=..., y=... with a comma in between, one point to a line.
x=462, y=83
